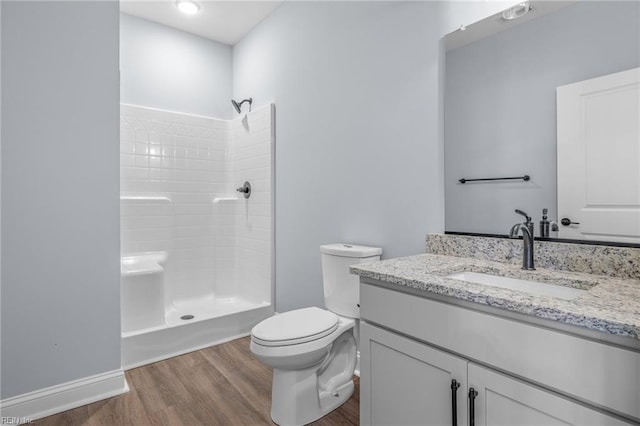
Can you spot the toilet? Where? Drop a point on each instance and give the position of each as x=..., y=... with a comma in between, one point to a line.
x=313, y=351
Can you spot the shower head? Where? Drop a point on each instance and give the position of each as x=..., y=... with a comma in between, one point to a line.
x=238, y=106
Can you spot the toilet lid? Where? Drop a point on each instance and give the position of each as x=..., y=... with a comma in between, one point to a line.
x=294, y=327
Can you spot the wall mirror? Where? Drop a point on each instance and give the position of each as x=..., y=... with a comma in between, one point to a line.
x=501, y=118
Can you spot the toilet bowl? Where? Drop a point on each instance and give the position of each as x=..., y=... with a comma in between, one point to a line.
x=313, y=355
x=313, y=351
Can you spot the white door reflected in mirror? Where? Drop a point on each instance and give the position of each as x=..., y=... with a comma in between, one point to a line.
x=599, y=157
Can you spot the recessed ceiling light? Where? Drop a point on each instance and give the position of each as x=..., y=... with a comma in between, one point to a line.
x=188, y=7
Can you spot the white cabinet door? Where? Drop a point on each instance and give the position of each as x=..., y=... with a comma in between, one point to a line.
x=599, y=157
x=404, y=382
x=506, y=401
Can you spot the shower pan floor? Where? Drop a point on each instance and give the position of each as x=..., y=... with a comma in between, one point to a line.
x=214, y=321
x=207, y=308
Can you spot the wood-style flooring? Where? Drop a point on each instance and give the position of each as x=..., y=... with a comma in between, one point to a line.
x=221, y=385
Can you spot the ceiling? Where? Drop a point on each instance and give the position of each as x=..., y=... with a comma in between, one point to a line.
x=223, y=21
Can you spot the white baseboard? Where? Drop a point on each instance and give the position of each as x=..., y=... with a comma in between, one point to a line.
x=56, y=399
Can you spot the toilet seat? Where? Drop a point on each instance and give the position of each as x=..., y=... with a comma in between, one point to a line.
x=295, y=327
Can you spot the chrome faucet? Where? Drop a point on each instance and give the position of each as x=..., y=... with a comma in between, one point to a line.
x=526, y=228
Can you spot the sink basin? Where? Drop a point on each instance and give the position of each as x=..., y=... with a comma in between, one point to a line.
x=532, y=287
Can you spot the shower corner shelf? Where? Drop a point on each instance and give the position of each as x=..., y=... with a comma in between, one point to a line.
x=218, y=200
x=144, y=198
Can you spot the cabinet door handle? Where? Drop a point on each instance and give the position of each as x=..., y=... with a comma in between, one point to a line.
x=454, y=403
x=472, y=409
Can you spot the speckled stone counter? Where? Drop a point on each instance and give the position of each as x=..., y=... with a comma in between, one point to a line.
x=611, y=305
x=620, y=262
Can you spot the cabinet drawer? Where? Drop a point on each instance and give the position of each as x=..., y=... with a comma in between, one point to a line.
x=596, y=373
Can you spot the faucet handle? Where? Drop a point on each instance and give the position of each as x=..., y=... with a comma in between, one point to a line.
x=520, y=212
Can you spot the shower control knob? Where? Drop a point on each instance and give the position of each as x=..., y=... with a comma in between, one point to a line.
x=245, y=189
x=566, y=222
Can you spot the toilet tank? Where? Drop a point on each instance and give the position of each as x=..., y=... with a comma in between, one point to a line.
x=342, y=289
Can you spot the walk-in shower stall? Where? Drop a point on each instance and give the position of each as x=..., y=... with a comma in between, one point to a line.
x=197, y=248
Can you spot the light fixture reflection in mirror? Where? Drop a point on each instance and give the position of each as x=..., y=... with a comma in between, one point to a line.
x=517, y=11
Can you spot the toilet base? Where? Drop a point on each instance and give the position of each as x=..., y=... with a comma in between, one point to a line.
x=295, y=397
x=310, y=379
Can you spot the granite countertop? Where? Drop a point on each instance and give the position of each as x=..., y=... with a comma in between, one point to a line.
x=611, y=305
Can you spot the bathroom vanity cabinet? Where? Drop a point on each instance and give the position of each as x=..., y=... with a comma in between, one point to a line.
x=413, y=347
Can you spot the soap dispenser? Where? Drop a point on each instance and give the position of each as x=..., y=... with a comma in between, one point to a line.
x=546, y=225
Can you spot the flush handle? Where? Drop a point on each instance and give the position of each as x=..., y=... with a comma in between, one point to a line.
x=566, y=222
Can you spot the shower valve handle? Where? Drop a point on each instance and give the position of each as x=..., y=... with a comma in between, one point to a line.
x=245, y=189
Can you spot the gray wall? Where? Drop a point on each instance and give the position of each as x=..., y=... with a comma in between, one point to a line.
x=0, y=199
x=60, y=211
x=60, y=193
x=501, y=107
x=169, y=69
x=358, y=157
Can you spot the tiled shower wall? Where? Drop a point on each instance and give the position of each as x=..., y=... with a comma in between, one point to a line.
x=178, y=180
x=251, y=159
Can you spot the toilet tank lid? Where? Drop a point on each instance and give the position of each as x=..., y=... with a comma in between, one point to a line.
x=350, y=250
